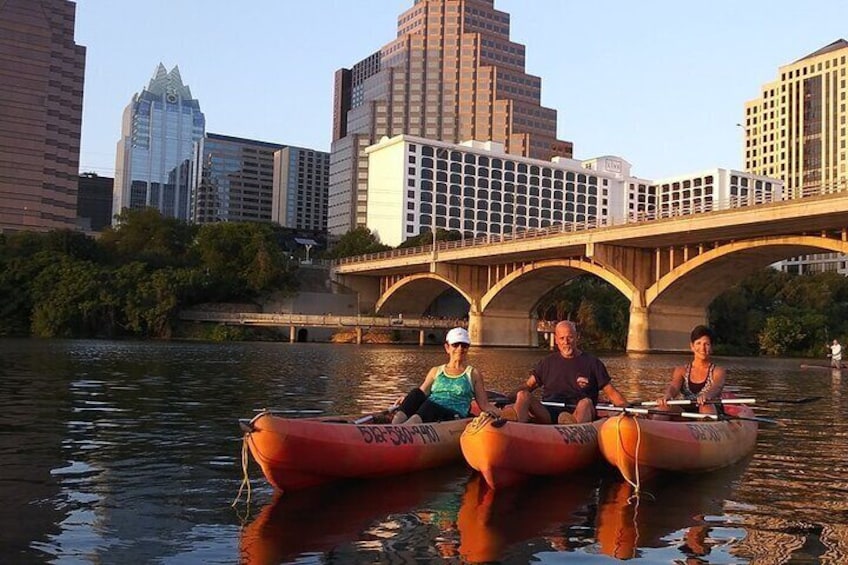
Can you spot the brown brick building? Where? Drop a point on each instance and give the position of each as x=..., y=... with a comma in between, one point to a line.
x=451, y=74
x=41, y=81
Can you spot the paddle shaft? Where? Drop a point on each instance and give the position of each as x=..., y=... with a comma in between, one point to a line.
x=368, y=417
x=802, y=400
x=693, y=415
x=686, y=402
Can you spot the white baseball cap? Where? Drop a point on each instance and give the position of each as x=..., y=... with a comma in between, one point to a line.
x=458, y=335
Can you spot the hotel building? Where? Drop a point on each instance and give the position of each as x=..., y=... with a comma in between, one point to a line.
x=451, y=74
x=160, y=127
x=41, y=84
x=796, y=131
x=417, y=185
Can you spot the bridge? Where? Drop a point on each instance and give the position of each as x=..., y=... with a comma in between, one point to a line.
x=669, y=268
x=334, y=321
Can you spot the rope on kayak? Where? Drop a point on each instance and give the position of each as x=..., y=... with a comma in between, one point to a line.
x=636, y=485
x=245, y=481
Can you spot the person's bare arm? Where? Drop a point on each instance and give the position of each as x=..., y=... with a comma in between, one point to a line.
x=480, y=393
x=716, y=387
x=673, y=389
x=614, y=396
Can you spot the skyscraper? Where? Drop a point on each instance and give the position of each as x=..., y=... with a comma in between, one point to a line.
x=159, y=129
x=232, y=179
x=301, y=178
x=451, y=74
x=41, y=82
x=796, y=131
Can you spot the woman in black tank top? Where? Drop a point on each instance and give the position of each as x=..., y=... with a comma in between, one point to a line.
x=700, y=380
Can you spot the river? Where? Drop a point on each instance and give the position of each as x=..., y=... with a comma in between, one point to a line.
x=130, y=452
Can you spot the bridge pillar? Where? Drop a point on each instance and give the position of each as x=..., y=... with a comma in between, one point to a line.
x=638, y=336
x=292, y=334
x=358, y=335
x=420, y=338
x=669, y=326
x=503, y=328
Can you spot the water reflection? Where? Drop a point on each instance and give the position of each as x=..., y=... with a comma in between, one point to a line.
x=677, y=511
x=122, y=451
x=338, y=518
x=551, y=511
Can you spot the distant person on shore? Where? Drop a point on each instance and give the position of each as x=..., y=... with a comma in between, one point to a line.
x=701, y=380
x=448, y=389
x=570, y=377
x=835, y=354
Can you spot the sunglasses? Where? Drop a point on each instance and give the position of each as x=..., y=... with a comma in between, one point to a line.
x=462, y=345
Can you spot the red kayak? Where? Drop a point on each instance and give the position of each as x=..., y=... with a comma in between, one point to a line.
x=296, y=453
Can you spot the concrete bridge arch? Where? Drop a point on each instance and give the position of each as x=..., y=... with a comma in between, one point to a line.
x=414, y=293
x=507, y=309
x=679, y=299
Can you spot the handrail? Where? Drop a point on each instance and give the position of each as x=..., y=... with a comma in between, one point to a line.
x=758, y=199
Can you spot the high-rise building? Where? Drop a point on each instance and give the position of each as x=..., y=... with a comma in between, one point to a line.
x=451, y=74
x=94, y=202
x=417, y=185
x=158, y=132
x=796, y=131
x=232, y=179
x=301, y=181
x=41, y=84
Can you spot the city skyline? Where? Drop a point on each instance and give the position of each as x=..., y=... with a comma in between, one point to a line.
x=662, y=86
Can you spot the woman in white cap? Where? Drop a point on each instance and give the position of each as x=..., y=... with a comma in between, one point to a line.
x=448, y=390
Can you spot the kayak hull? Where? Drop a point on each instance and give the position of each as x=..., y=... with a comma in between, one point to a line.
x=301, y=453
x=506, y=452
x=641, y=448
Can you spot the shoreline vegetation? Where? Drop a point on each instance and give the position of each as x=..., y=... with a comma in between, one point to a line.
x=133, y=281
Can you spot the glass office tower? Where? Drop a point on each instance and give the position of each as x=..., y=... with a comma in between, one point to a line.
x=160, y=126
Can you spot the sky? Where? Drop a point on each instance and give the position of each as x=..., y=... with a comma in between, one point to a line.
x=660, y=83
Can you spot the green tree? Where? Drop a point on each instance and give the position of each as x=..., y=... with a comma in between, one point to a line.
x=780, y=335
x=358, y=241
x=145, y=235
x=242, y=260
x=426, y=238
x=599, y=309
x=66, y=296
x=152, y=308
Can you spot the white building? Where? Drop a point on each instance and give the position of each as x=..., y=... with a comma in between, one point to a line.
x=416, y=185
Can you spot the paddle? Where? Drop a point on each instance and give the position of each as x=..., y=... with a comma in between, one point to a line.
x=693, y=415
x=499, y=399
x=686, y=402
x=368, y=417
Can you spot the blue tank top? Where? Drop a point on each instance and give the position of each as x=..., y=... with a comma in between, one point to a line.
x=453, y=392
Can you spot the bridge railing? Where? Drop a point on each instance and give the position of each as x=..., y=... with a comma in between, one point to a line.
x=318, y=320
x=652, y=214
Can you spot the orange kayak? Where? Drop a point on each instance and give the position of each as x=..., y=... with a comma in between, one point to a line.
x=296, y=453
x=506, y=452
x=641, y=447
